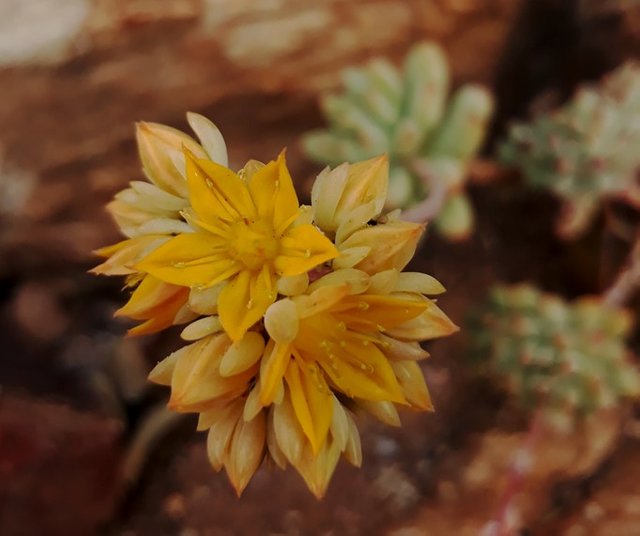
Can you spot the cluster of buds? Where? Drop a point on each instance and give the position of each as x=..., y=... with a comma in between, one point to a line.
x=586, y=151
x=295, y=317
x=405, y=114
x=570, y=359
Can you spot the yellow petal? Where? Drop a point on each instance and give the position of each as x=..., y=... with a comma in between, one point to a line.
x=312, y=401
x=272, y=443
x=411, y=380
x=418, y=282
x=357, y=281
x=163, y=371
x=190, y=260
x=123, y=255
x=215, y=413
x=402, y=350
x=360, y=372
x=303, y=248
x=244, y=300
x=392, y=245
x=149, y=294
x=216, y=192
x=317, y=470
x=288, y=433
x=431, y=324
x=353, y=449
x=272, y=370
x=201, y=328
x=382, y=410
x=275, y=197
x=220, y=434
x=372, y=312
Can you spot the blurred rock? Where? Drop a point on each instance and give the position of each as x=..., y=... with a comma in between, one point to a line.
x=58, y=469
x=38, y=311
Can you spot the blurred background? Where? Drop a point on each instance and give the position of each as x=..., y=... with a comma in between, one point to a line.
x=86, y=446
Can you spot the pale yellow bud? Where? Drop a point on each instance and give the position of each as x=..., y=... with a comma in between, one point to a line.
x=160, y=147
x=414, y=387
x=242, y=355
x=201, y=328
x=384, y=411
x=246, y=451
x=220, y=434
x=392, y=245
x=336, y=194
x=281, y=321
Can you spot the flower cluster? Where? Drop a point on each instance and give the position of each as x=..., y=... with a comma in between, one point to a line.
x=296, y=317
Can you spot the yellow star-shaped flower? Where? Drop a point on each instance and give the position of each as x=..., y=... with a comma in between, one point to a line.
x=246, y=236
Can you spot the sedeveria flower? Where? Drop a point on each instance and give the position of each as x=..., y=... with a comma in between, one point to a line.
x=245, y=236
x=297, y=317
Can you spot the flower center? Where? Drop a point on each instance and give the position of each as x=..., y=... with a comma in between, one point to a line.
x=253, y=243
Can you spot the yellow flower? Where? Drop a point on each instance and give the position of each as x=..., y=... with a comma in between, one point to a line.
x=336, y=339
x=245, y=236
x=149, y=212
x=296, y=316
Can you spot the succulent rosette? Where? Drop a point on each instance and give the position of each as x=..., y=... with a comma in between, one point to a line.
x=296, y=317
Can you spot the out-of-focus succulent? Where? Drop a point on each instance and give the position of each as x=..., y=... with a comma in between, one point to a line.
x=405, y=113
x=585, y=151
x=569, y=359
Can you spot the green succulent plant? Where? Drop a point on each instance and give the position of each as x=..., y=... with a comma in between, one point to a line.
x=405, y=113
x=570, y=359
x=585, y=151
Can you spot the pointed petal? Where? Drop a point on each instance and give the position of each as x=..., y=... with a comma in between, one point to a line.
x=244, y=300
x=190, y=260
x=216, y=192
x=303, y=248
x=242, y=355
x=312, y=401
x=413, y=385
x=431, y=324
x=246, y=451
x=210, y=138
x=362, y=375
x=272, y=190
x=123, y=255
x=272, y=371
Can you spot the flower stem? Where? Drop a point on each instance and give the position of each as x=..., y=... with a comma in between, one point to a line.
x=506, y=521
x=627, y=281
x=437, y=190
